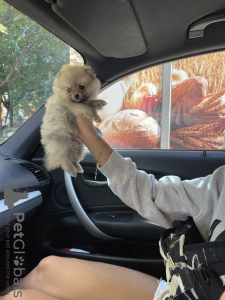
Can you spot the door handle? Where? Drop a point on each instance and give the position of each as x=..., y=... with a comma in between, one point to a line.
x=93, y=183
x=197, y=28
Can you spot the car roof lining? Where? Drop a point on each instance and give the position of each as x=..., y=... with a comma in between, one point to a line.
x=163, y=28
x=111, y=27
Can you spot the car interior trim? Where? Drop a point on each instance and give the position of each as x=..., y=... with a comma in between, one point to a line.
x=197, y=29
x=166, y=106
x=109, y=34
x=92, y=183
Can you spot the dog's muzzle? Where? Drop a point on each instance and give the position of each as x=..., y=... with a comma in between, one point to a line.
x=77, y=96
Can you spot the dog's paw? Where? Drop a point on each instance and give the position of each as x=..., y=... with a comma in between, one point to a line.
x=97, y=118
x=78, y=167
x=74, y=168
x=100, y=103
x=72, y=173
x=71, y=170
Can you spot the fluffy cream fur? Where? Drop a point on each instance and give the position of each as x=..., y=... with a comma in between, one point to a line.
x=75, y=91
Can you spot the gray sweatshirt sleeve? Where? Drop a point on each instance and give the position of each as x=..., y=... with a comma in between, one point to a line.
x=159, y=201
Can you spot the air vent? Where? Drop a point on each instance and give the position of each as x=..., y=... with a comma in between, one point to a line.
x=37, y=171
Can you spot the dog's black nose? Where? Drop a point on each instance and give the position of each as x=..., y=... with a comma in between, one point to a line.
x=76, y=96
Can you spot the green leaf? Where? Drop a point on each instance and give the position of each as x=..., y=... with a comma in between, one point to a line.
x=3, y=29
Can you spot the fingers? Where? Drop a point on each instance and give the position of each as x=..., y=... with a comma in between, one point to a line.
x=83, y=121
x=85, y=127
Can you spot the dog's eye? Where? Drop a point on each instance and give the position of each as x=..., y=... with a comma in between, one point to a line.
x=69, y=90
x=82, y=87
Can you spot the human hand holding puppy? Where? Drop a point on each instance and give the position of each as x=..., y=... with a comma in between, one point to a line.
x=100, y=150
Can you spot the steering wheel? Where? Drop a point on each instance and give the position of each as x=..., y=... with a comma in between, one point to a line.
x=81, y=214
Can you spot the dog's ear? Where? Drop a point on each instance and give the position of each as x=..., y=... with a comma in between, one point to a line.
x=59, y=74
x=89, y=70
x=62, y=70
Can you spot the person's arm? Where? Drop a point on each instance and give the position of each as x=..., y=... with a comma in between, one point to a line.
x=223, y=296
x=135, y=188
x=161, y=201
x=100, y=150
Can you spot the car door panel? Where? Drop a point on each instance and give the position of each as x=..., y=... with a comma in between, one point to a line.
x=138, y=246
x=185, y=164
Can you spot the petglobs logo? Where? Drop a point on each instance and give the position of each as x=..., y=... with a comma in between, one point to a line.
x=11, y=197
x=18, y=249
x=14, y=238
x=18, y=261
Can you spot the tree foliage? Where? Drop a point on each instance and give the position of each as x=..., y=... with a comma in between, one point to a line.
x=30, y=58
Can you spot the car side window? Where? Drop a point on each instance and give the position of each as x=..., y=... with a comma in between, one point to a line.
x=198, y=103
x=133, y=114
x=177, y=106
x=30, y=58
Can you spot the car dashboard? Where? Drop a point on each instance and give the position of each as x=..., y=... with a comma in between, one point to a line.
x=22, y=184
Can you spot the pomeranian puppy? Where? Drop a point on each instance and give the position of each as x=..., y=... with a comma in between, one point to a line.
x=75, y=90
